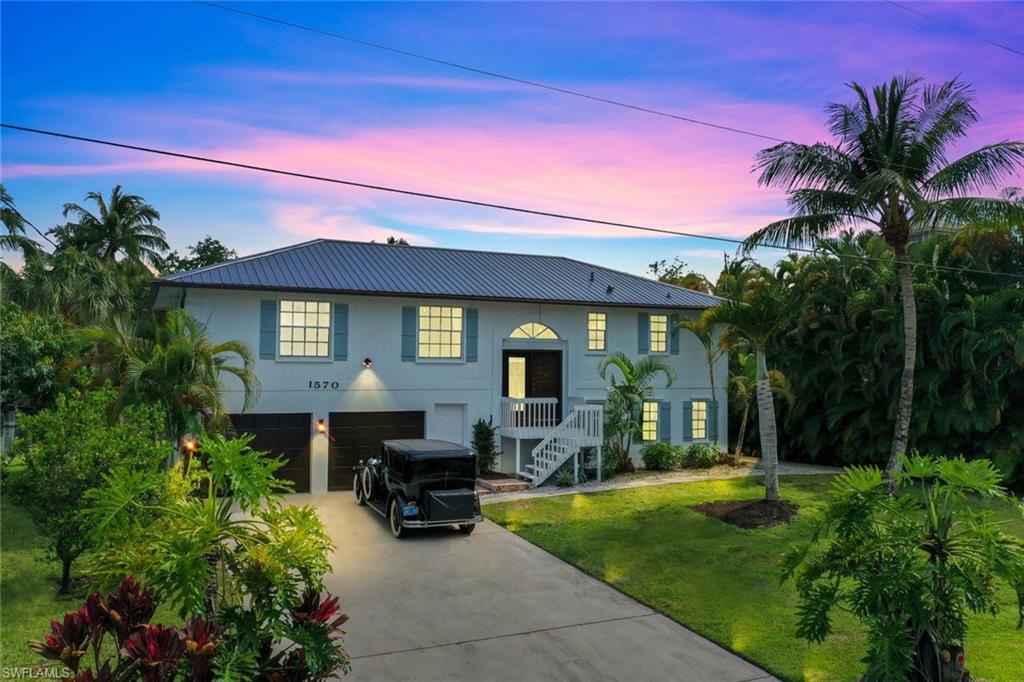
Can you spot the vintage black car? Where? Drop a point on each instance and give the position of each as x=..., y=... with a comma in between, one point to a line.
x=420, y=483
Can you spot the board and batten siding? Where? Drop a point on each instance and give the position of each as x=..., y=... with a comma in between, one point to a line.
x=374, y=331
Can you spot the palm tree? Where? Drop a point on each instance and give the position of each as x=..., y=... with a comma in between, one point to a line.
x=15, y=224
x=177, y=365
x=124, y=224
x=744, y=389
x=889, y=170
x=757, y=319
x=626, y=397
x=709, y=339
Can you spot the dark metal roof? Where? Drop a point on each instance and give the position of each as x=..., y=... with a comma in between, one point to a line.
x=327, y=265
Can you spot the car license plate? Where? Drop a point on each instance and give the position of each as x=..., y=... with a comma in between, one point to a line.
x=410, y=510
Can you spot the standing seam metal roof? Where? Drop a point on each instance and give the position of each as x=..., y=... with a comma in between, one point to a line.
x=387, y=269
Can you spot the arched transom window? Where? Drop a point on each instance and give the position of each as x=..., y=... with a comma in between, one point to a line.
x=533, y=330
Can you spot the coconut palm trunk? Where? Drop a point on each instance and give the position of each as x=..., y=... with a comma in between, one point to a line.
x=766, y=424
x=905, y=404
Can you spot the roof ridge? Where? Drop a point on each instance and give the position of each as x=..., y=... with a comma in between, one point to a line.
x=240, y=259
x=630, y=274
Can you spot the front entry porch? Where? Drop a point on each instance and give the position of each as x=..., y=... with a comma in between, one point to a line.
x=535, y=420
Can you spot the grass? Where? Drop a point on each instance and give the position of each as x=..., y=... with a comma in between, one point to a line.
x=722, y=581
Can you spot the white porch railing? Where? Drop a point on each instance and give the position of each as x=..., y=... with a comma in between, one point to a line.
x=527, y=418
x=583, y=428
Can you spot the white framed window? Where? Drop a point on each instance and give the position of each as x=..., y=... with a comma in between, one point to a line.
x=699, y=420
x=533, y=330
x=597, y=329
x=440, y=332
x=649, y=420
x=659, y=333
x=304, y=329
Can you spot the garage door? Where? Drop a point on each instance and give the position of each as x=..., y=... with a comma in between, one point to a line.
x=357, y=435
x=281, y=434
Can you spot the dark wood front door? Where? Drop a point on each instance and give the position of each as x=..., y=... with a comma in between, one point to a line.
x=281, y=434
x=533, y=374
x=358, y=435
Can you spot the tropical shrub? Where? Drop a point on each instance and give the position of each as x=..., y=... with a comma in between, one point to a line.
x=34, y=348
x=700, y=456
x=909, y=567
x=564, y=477
x=483, y=443
x=65, y=451
x=217, y=542
x=658, y=456
x=626, y=394
x=611, y=458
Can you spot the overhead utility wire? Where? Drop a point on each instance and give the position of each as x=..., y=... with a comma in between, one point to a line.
x=460, y=200
x=941, y=22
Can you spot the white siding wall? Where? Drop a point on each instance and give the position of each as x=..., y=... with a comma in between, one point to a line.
x=375, y=332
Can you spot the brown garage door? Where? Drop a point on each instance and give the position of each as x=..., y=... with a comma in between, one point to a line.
x=357, y=435
x=281, y=434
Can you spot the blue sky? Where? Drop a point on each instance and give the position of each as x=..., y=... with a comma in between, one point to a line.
x=197, y=79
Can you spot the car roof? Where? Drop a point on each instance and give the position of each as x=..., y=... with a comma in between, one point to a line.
x=425, y=448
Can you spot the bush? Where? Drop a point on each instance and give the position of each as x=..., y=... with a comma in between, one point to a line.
x=660, y=456
x=700, y=456
x=34, y=347
x=66, y=451
x=483, y=443
x=611, y=461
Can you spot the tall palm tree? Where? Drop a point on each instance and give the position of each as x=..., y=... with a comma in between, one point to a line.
x=744, y=389
x=889, y=170
x=757, y=319
x=176, y=364
x=14, y=224
x=124, y=224
x=626, y=396
x=710, y=340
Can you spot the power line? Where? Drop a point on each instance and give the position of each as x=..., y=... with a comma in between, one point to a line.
x=461, y=200
x=491, y=74
x=941, y=22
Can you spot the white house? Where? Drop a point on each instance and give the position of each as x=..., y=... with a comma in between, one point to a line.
x=359, y=342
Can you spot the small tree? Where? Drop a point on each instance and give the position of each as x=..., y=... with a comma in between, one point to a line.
x=65, y=451
x=711, y=342
x=483, y=443
x=911, y=568
x=206, y=251
x=627, y=395
x=34, y=348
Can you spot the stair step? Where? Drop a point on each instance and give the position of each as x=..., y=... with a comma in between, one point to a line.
x=526, y=475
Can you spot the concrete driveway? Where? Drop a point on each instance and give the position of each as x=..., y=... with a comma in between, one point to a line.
x=443, y=606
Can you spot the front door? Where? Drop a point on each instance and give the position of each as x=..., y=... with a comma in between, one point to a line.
x=533, y=374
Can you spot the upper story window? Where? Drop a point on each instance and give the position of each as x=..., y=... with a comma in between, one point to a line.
x=305, y=327
x=597, y=328
x=699, y=420
x=659, y=333
x=649, y=420
x=533, y=330
x=440, y=332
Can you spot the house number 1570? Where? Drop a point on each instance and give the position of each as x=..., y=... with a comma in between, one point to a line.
x=324, y=385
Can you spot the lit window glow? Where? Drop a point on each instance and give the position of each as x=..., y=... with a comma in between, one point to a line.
x=597, y=324
x=305, y=327
x=699, y=421
x=659, y=333
x=650, y=421
x=440, y=332
x=533, y=330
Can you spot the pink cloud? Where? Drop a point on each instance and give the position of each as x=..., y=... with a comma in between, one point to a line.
x=310, y=222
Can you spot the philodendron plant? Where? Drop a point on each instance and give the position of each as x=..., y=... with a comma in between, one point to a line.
x=912, y=566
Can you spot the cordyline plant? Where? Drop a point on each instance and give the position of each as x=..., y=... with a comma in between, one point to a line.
x=218, y=543
x=910, y=567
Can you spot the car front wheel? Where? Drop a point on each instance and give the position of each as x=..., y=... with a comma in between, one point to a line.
x=357, y=488
x=395, y=519
x=466, y=528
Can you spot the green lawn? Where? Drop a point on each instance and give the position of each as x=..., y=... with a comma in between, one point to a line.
x=721, y=581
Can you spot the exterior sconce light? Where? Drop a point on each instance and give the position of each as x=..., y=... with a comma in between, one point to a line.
x=189, y=444
x=321, y=426
x=367, y=363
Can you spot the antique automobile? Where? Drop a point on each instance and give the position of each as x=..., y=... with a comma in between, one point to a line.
x=420, y=484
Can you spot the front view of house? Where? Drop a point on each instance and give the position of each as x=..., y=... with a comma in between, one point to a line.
x=359, y=342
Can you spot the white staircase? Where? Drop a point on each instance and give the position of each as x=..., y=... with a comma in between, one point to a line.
x=583, y=428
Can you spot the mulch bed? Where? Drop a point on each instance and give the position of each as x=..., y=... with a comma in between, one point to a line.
x=749, y=513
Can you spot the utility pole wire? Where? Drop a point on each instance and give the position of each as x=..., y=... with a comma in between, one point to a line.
x=929, y=17
x=464, y=201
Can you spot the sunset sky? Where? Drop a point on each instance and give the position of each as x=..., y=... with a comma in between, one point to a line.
x=197, y=79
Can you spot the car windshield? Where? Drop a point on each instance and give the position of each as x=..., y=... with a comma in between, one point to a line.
x=456, y=468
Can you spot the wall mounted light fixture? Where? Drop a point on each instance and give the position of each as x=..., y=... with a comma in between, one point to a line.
x=189, y=444
x=367, y=363
x=321, y=426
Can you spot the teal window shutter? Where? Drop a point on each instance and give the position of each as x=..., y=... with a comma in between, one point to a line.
x=673, y=334
x=472, y=335
x=341, y=331
x=408, y=333
x=643, y=333
x=665, y=421
x=688, y=420
x=268, y=330
x=713, y=421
